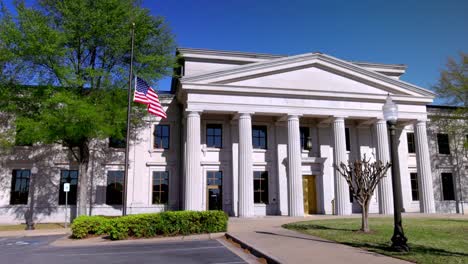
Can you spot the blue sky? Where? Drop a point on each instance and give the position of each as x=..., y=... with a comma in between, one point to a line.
x=420, y=34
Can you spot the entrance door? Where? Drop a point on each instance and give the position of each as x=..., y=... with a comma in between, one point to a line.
x=310, y=194
x=214, y=190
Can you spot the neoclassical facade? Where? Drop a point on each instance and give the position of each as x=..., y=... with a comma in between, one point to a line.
x=253, y=135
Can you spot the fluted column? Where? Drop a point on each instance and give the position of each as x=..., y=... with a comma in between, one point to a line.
x=295, y=192
x=342, y=204
x=246, y=199
x=383, y=154
x=426, y=199
x=192, y=180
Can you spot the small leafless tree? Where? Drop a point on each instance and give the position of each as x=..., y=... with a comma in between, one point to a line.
x=362, y=177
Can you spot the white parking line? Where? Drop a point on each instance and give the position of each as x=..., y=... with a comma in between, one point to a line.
x=136, y=252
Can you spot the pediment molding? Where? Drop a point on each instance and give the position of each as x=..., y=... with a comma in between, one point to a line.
x=308, y=60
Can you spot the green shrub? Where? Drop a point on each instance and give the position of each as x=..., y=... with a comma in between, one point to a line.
x=86, y=225
x=169, y=223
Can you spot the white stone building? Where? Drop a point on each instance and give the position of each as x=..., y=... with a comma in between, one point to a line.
x=251, y=134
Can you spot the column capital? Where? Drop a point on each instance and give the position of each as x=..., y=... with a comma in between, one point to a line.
x=191, y=113
x=242, y=115
x=420, y=122
x=338, y=118
x=294, y=116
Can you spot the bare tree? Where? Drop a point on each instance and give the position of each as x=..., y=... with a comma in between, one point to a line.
x=363, y=176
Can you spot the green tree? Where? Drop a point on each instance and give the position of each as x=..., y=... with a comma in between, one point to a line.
x=79, y=51
x=453, y=88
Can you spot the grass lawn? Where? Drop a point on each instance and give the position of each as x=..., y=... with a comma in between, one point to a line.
x=431, y=240
x=37, y=226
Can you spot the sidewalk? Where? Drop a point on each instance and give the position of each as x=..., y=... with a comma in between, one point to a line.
x=266, y=236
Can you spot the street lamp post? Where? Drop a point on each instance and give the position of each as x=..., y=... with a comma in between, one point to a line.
x=390, y=112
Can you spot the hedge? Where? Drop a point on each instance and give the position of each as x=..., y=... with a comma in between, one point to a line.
x=171, y=223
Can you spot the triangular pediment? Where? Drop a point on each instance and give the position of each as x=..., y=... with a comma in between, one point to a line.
x=312, y=71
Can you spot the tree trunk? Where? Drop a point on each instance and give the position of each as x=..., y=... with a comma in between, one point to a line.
x=365, y=216
x=83, y=179
x=82, y=189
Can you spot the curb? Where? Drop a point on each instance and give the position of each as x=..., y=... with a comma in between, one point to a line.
x=34, y=233
x=100, y=241
x=253, y=251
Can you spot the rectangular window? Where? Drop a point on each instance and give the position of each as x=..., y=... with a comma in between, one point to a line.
x=261, y=187
x=214, y=135
x=447, y=186
x=259, y=137
x=20, y=187
x=161, y=136
x=115, y=186
x=160, y=187
x=305, y=134
x=214, y=178
x=348, y=139
x=443, y=143
x=116, y=143
x=411, y=143
x=71, y=177
x=414, y=186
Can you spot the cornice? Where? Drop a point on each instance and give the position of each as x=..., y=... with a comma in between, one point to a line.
x=309, y=58
x=300, y=93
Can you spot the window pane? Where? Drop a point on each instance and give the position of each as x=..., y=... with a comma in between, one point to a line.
x=162, y=136
x=68, y=176
x=443, y=143
x=410, y=139
x=115, y=187
x=261, y=187
x=20, y=186
x=447, y=186
x=414, y=186
x=348, y=140
x=160, y=187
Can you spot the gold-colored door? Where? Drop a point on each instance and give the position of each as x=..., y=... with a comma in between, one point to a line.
x=310, y=194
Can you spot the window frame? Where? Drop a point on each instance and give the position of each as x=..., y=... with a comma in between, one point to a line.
x=159, y=138
x=348, y=138
x=447, y=192
x=410, y=142
x=441, y=144
x=109, y=201
x=214, y=136
x=160, y=191
x=414, y=184
x=20, y=197
x=264, y=192
x=303, y=137
x=73, y=193
x=262, y=128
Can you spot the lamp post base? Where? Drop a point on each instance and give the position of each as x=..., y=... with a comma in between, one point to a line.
x=399, y=243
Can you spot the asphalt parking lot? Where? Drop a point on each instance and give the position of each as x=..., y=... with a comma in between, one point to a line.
x=39, y=250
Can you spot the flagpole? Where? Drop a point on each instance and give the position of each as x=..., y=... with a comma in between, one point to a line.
x=129, y=110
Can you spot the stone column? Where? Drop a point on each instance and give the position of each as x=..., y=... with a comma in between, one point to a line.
x=246, y=199
x=426, y=198
x=192, y=180
x=342, y=204
x=383, y=154
x=295, y=192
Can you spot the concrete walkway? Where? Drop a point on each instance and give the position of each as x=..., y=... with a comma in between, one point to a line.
x=266, y=236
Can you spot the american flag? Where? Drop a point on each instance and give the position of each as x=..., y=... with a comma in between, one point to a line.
x=146, y=95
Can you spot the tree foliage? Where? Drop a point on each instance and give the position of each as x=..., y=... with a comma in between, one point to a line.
x=63, y=64
x=453, y=82
x=363, y=176
x=82, y=43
